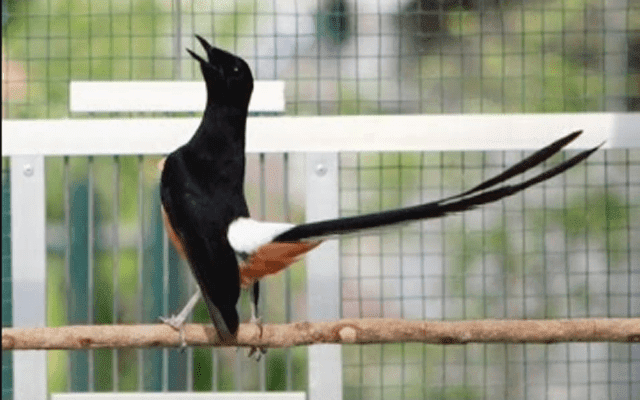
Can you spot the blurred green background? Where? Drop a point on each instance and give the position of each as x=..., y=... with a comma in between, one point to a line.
x=336, y=58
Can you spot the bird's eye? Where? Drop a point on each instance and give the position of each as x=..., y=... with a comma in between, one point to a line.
x=235, y=69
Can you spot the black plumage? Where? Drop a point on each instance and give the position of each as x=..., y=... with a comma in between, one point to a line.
x=202, y=185
x=207, y=217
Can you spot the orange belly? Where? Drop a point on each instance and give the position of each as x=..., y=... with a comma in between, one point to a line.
x=268, y=260
x=272, y=258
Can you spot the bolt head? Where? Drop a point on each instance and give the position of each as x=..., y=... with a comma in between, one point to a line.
x=28, y=169
x=321, y=169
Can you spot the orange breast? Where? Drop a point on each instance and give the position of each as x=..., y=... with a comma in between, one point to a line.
x=175, y=239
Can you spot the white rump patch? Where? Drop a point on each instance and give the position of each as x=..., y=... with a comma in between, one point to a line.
x=247, y=235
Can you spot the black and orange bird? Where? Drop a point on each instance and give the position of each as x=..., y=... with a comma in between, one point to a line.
x=206, y=213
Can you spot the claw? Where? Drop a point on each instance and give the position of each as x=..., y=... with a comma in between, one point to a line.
x=176, y=323
x=173, y=321
x=256, y=352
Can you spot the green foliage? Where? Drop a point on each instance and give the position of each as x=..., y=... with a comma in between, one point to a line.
x=58, y=42
x=544, y=60
x=404, y=370
x=535, y=67
x=80, y=40
x=601, y=218
x=454, y=393
x=202, y=371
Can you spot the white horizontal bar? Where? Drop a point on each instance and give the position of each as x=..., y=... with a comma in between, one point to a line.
x=341, y=133
x=162, y=96
x=181, y=395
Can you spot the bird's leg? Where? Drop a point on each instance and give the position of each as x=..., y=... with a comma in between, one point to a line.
x=256, y=352
x=255, y=294
x=177, y=321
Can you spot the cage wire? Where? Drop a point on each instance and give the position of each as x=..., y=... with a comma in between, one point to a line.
x=567, y=248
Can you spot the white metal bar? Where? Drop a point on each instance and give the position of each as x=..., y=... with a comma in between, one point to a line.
x=309, y=134
x=181, y=395
x=28, y=259
x=162, y=96
x=323, y=276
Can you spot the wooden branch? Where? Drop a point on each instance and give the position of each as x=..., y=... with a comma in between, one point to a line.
x=347, y=331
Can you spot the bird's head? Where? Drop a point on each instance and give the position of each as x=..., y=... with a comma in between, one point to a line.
x=228, y=77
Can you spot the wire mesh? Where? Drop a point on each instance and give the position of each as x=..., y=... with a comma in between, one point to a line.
x=568, y=248
x=338, y=56
x=109, y=262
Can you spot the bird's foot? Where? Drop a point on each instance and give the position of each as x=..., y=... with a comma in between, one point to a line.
x=255, y=352
x=173, y=321
x=177, y=323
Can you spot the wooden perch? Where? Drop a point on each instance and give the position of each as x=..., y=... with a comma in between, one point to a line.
x=346, y=331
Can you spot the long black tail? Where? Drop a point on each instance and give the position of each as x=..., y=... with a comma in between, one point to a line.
x=467, y=200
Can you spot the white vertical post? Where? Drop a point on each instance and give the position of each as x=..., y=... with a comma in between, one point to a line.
x=28, y=259
x=323, y=276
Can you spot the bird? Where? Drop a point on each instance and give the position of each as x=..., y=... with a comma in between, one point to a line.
x=207, y=217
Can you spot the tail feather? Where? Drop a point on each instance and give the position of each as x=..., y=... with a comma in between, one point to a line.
x=533, y=160
x=225, y=321
x=462, y=202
